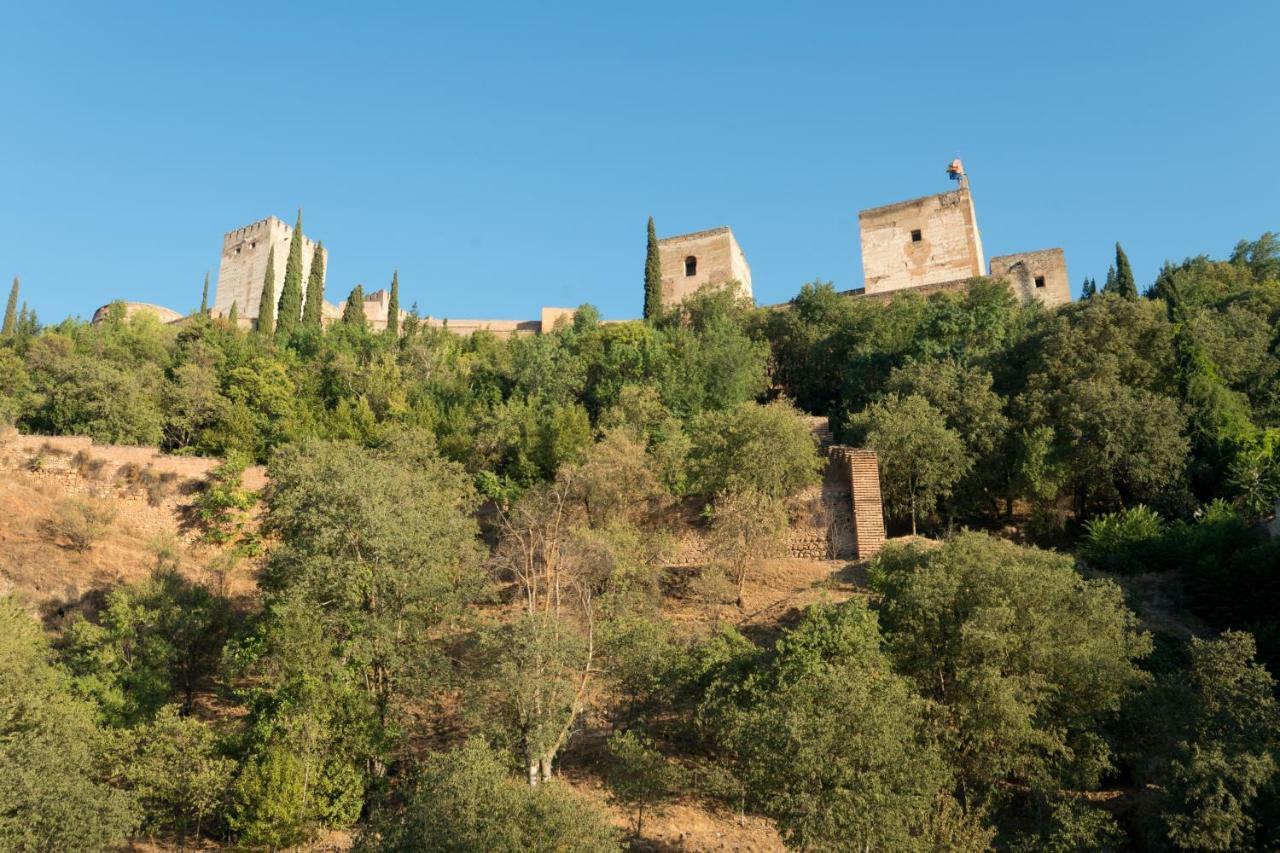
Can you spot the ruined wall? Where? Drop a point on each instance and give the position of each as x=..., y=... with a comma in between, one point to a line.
x=244, y=266
x=719, y=259
x=1038, y=275
x=923, y=241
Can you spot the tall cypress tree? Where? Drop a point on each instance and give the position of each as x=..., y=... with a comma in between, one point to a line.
x=11, y=311
x=393, y=306
x=1109, y=286
x=313, y=308
x=652, y=276
x=353, y=313
x=291, y=291
x=267, y=307
x=233, y=317
x=1126, y=286
x=1088, y=289
x=204, y=297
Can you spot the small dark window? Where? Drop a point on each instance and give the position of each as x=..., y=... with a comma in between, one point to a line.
x=915, y=235
x=1039, y=281
x=690, y=266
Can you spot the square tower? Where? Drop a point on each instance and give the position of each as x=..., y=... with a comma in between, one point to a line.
x=244, y=266
x=704, y=257
x=929, y=240
x=1038, y=275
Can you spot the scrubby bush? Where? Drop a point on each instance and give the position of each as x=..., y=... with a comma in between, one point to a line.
x=1127, y=541
x=80, y=522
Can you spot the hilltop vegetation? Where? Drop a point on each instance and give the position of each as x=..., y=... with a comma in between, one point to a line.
x=463, y=586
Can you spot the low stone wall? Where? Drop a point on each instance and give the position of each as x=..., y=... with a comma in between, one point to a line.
x=58, y=455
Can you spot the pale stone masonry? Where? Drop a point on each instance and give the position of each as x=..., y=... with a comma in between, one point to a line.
x=923, y=241
x=1041, y=275
x=243, y=268
x=690, y=261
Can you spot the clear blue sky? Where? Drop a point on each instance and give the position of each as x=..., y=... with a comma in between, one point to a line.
x=506, y=157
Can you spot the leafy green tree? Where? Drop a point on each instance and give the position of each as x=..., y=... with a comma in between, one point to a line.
x=173, y=767
x=54, y=796
x=465, y=801
x=11, y=311
x=267, y=304
x=1074, y=826
x=291, y=290
x=313, y=307
x=1025, y=658
x=157, y=640
x=353, y=311
x=639, y=776
x=224, y=504
x=767, y=449
x=921, y=458
x=383, y=545
x=1229, y=754
x=830, y=743
x=393, y=306
x=652, y=276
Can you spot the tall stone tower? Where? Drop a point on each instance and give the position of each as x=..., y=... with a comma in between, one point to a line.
x=690, y=261
x=925, y=241
x=244, y=265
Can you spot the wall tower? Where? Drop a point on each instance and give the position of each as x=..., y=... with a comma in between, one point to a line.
x=244, y=265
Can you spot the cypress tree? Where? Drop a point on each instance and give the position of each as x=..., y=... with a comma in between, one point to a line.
x=291, y=291
x=233, y=318
x=353, y=313
x=1088, y=289
x=204, y=297
x=652, y=276
x=11, y=310
x=1126, y=286
x=1109, y=286
x=313, y=308
x=393, y=306
x=267, y=307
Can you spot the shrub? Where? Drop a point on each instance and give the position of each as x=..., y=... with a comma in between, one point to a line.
x=1129, y=541
x=80, y=522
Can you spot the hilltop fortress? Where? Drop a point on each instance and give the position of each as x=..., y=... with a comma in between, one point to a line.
x=922, y=245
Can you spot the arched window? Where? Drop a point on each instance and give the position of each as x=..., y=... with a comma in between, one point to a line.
x=690, y=266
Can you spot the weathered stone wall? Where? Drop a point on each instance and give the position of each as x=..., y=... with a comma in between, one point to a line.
x=1038, y=275
x=719, y=259
x=949, y=247
x=244, y=266
x=61, y=456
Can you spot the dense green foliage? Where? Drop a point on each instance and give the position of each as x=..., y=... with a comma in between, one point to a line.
x=462, y=568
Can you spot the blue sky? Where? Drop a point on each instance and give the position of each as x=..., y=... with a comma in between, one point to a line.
x=506, y=157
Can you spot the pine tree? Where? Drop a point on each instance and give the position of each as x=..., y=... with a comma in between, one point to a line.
x=233, y=317
x=267, y=307
x=313, y=308
x=204, y=297
x=652, y=276
x=393, y=306
x=353, y=313
x=11, y=311
x=1089, y=289
x=291, y=291
x=1126, y=286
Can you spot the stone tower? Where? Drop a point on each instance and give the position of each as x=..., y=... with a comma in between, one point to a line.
x=704, y=257
x=244, y=265
x=924, y=241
